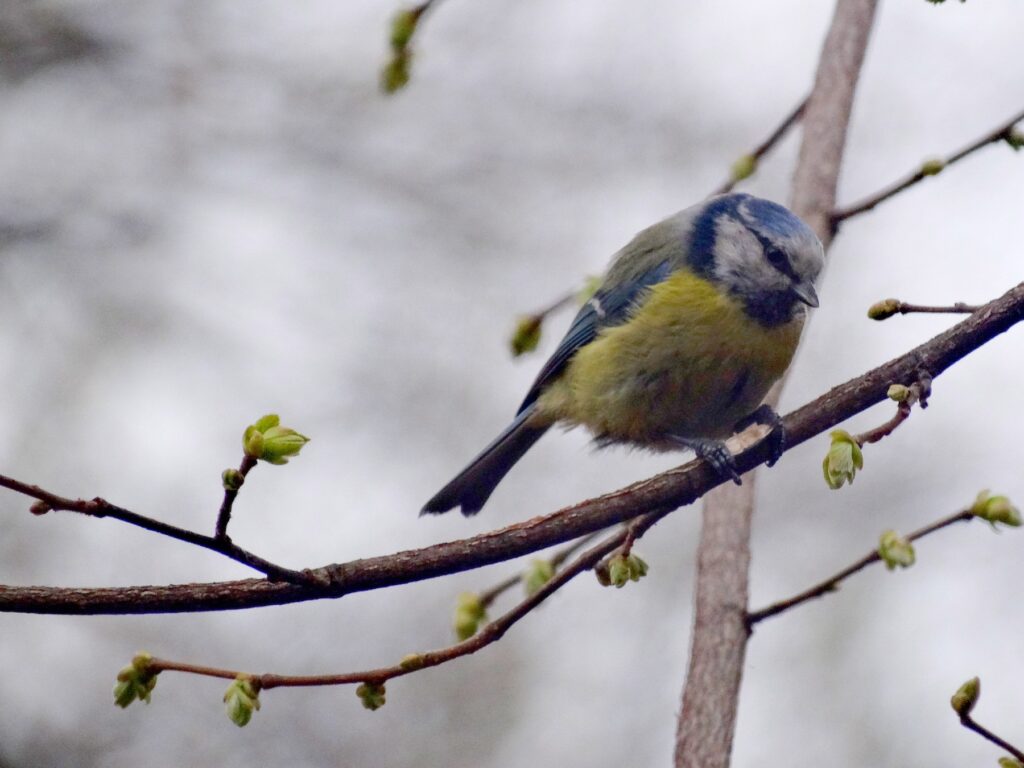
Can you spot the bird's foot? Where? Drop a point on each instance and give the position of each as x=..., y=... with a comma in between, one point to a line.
x=776, y=437
x=715, y=453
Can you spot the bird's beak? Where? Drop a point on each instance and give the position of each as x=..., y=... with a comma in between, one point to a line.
x=806, y=293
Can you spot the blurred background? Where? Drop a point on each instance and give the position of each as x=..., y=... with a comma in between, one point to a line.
x=209, y=211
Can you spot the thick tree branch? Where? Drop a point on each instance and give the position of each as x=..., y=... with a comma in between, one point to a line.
x=718, y=648
x=659, y=495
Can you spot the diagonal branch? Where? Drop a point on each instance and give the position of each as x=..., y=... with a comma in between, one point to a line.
x=832, y=583
x=1000, y=133
x=660, y=495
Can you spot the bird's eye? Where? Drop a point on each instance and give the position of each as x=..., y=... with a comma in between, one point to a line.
x=775, y=257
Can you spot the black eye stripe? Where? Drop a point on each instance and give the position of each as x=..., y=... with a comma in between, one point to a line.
x=776, y=257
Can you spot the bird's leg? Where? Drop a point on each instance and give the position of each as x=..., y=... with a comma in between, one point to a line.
x=714, y=452
x=776, y=437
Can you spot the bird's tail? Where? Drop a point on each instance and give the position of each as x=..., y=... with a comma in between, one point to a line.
x=473, y=486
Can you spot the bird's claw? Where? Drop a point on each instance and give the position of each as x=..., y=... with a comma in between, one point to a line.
x=715, y=453
x=776, y=436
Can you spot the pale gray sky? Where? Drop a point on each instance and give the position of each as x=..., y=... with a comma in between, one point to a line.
x=210, y=212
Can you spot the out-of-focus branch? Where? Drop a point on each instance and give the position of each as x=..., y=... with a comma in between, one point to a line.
x=718, y=648
x=832, y=583
x=1003, y=132
x=746, y=166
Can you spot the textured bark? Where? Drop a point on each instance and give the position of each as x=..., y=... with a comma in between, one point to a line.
x=711, y=694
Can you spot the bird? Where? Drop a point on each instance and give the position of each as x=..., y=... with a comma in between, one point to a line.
x=694, y=320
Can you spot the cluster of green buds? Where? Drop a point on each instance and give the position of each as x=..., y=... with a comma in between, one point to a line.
x=136, y=681
x=242, y=699
x=526, y=335
x=895, y=550
x=470, y=613
x=372, y=695
x=843, y=459
x=268, y=441
x=620, y=570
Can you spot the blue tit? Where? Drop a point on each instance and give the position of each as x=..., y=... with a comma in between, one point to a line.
x=694, y=321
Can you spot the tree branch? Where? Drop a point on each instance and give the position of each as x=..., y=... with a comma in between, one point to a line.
x=659, y=495
x=98, y=507
x=747, y=164
x=931, y=168
x=491, y=633
x=718, y=648
x=832, y=583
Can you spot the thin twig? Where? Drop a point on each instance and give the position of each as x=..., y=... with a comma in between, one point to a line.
x=832, y=583
x=488, y=596
x=98, y=507
x=968, y=722
x=230, y=494
x=1000, y=133
x=491, y=633
x=765, y=146
x=917, y=392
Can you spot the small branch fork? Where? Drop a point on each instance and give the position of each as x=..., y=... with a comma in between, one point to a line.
x=832, y=583
x=970, y=724
x=98, y=507
x=917, y=392
x=491, y=632
x=1003, y=132
x=488, y=596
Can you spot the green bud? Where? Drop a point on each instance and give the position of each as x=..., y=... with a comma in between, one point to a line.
x=625, y=568
x=743, y=168
x=40, y=508
x=618, y=571
x=403, y=25
x=1015, y=138
x=898, y=392
x=412, y=661
x=252, y=442
x=932, y=167
x=269, y=441
x=843, y=459
x=537, y=575
x=136, y=681
x=883, y=310
x=372, y=695
x=281, y=443
x=996, y=509
x=895, y=551
x=242, y=699
x=966, y=697
x=395, y=74
x=469, y=614
x=526, y=336
x=232, y=479
x=1010, y=762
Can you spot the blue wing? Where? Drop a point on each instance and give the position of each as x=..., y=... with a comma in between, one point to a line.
x=608, y=307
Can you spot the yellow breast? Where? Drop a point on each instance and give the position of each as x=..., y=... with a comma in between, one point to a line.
x=691, y=362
